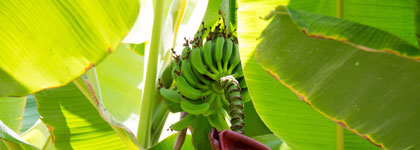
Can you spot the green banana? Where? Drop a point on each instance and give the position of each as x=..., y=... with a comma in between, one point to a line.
x=218, y=52
x=207, y=54
x=242, y=83
x=235, y=59
x=197, y=62
x=187, y=90
x=183, y=123
x=224, y=100
x=228, y=48
x=185, y=52
x=218, y=120
x=187, y=72
x=176, y=70
x=166, y=77
x=170, y=95
x=201, y=78
x=213, y=105
x=238, y=72
x=196, y=107
x=245, y=95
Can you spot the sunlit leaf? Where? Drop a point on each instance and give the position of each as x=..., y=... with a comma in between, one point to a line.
x=75, y=123
x=49, y=43
x=396, y=17
x=363, y=78
x=296, y=123
x=11, y=112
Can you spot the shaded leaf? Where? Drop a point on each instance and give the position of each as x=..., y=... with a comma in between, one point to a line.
x=30, y=116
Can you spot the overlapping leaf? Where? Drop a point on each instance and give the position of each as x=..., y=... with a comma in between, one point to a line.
x=361, y=77
x=298, y=125
x=74, y=122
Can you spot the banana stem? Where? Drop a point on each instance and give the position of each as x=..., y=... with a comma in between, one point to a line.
x=160, y=113
x=150, y=90
x=233, y=92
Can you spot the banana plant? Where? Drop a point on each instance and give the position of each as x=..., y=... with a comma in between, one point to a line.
x=261, y=74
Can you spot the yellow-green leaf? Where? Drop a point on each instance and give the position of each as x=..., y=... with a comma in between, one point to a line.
x=47, y=44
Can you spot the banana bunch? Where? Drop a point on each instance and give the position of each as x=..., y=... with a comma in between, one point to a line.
x=198, y=71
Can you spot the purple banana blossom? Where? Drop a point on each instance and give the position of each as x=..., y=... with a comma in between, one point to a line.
x=230, y=140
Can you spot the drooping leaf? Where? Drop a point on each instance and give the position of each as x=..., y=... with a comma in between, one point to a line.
x=396, y=17
x=363, y=78
x=49, y=43
x=168, y=143
x=11, y=140
x=75, y=122
x=297, y=124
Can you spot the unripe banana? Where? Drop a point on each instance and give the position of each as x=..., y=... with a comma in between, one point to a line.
x=176, y=70
x=242, y=83
x=183, y=123
x=235, y=59
x=224, y=101
x=238, y=72
x=194, y=107
x=187, y=72
x=197, y=62
x=218, y=52
x=228, y=48
x=187, y=90
x=218, y=120
x=201, y=78
x=213, y=98
x=170, y=95
x=245, y=95
x=185, y=52
x=208, y=58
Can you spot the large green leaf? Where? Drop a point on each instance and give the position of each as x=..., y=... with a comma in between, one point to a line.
x=49, y=43
x=74, y=122
x=297, y=124
x=363, y=78
x=393, y=16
